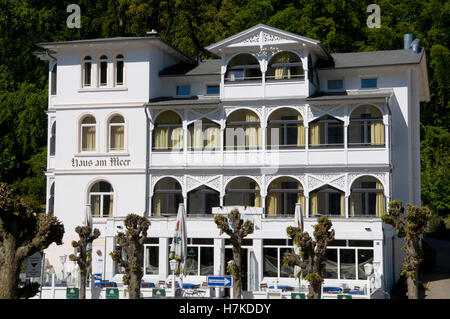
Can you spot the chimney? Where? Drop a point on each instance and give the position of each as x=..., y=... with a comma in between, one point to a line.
x=415, y=46
x=407, y=40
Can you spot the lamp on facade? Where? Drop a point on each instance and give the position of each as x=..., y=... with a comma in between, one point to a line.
x=62, y=260
x=173, y=266
x=368, y=269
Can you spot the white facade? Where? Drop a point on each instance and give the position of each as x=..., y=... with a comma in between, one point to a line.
x=134, y=170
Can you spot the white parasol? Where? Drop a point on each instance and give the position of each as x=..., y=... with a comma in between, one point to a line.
x=178, y=248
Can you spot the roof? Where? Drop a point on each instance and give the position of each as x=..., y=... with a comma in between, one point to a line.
x=374, y=58
x=153, y=38
x=206, y=67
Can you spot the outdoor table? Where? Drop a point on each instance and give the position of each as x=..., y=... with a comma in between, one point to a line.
x=283, y=288
x=105, y=284
x=332, y=290
x=147, y=285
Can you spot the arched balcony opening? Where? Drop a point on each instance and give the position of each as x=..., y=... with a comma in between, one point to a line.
x=243, y=131
x=243, y=67
x=242, y=191
x=201, y=200
x=285, y=129
x=327, y=201
x=282, y=195
x=367, y=197
x=326, y=131
x=167, y=196
x=366, y=127
x=168, y=132
x=285, y=66
x=101, y=197
x=204, y=135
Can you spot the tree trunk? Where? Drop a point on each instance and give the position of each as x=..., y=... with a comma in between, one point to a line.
x=315, y=291
x=83, y=285
x=9, y=274
x=236, y=272
x=134, y=286
x=413, y=287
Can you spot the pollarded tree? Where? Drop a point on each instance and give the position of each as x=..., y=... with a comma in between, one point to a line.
x=84, y=257
x=409, y=226
x=132, y=243
x=22, y=233
x=238, y=231
x=312, y=253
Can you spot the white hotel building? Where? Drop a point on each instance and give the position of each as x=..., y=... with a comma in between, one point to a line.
x=136, y=126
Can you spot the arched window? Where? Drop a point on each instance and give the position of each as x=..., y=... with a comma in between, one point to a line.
x=285, y=129
x=285, y=65
x=326, y=131
x=119, y=69
x=201, y=200
x=51, y=200
x=88, y=134
x=117, y=133
x=168, y=133
x=282, y=195
x=204, y=134
x=103, y=70
x=87, y=70
x=101, y=197
x=53, y=80
x=243, y=67
x=366, y=127
x=367, y=197
x=327, y=200
x=167, y=195
x=53, y=139
x=243, y=131
x=242, y=191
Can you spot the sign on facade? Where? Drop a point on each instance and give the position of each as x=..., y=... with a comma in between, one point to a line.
x=344, y=297
x=72, y=293
x=298, y=295
x=158, y=292
x=220, y=281
x=34, y=263
x=112, y=293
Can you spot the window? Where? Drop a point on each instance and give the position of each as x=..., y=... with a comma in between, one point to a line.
x=327, y=131
x=273, y=253
x=212, y=90
x=53, y=79
x=167, y=196
x=184, y=90
x=88, y=134
x=151, y=257
x=201, y=201
x=243, y=131
x=367, y=197
x=285, y=129
x=335, y=84
x=168, y=133
x=242, y=191
x=369, y=83
x=243, y=67
x=327, y=201
x=204, y=134
x=53, y=139
x=87, y=70
x=283, y=194
x=101, y=197
x=285, y=65
x=199, y=259
x=103, y=72
x=344, y=262
x=119, y=69
x=117, y=133
x=51, y=200
x=366, y=127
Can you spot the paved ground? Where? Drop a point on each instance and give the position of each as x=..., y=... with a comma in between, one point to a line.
x=438, y=281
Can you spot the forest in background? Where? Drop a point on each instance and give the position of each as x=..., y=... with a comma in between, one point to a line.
x=191, y=25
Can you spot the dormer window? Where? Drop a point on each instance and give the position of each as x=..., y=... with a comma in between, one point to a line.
x=285, y=65
x=183, y=90
x=369, y=83
x=243, y=67
x=87, y=69
x=103, y=72
x=119, y=69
